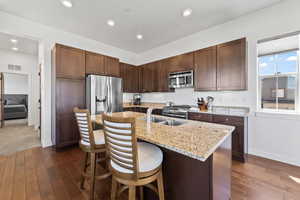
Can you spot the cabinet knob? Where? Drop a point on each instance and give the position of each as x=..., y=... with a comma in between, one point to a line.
x=226, y=119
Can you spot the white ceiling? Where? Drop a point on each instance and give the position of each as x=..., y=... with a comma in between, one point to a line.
x=160, y=21
x=283, y=44
x=24, y=45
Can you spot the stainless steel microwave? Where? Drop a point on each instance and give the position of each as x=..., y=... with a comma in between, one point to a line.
x=183, y=79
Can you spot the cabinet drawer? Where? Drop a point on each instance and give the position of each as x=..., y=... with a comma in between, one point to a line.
x=230, y=120
x=200, y=117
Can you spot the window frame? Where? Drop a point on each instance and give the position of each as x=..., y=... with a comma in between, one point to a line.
x=259, y=84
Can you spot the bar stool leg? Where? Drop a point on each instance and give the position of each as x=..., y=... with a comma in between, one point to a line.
x=93, y=169
x=141, y=193
x=114, y=189
x=85, y=164
x=160, y=185
x=132, y=192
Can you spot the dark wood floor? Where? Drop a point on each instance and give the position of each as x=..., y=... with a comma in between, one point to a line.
x=45, y=174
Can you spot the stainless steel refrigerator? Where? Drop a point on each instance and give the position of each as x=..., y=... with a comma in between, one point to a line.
x=104, y=94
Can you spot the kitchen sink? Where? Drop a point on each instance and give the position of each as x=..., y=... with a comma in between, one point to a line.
x=155, y=119
x=164, y=121
x=172, y=122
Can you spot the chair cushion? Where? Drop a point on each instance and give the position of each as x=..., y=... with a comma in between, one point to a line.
x=149, y=156
x=99, y=138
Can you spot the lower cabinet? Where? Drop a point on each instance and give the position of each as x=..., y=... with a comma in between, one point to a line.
x=143, y=110
x=70, y=93
x=239, y=136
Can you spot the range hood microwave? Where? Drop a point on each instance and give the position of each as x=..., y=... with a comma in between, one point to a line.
x=183, y=79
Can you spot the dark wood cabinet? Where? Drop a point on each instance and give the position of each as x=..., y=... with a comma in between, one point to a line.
x=200, y=117
x=231, y=65
x=70, y=93
x=147, y=78
x=69, y=62
x=205, y=72
x=239, y=136
x=143, y=110
x=130, y=76
x=95, y=64
x=102, y=65
x=162, y=74
x=221, y=67
x=112, y=67
x=182, y=62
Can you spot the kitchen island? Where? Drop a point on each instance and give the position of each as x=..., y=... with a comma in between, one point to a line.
x=197, y=156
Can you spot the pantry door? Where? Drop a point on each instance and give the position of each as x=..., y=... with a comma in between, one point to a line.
x=1, y=100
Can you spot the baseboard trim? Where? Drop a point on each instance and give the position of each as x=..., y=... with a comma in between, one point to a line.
x=272, y=156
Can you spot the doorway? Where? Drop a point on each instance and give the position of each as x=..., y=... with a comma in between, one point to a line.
x=20, y=94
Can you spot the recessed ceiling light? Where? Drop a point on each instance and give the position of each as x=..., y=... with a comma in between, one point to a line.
x=14, y=41
x=139, y=36
x=15, y=48
x=67, y=3
x=187, y=12
x=110, y=22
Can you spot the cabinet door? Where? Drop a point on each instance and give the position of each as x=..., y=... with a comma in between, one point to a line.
x=95, y=64
x=147, y=78
x=70, y=93
x=206, y=69
x=182, y=62
x=135, y=79
x=70, y=62
x=200, y=117
x=231, y=65
x=130, y=76
x=238, y=135
x=162, y=76
x=124, y=75
x=112, y=66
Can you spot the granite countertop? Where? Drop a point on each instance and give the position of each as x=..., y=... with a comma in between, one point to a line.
x=217, y=110
x=224, y=110
x=195, y=139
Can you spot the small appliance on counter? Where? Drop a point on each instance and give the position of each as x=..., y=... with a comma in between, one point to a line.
x=210, y=101
x=137, y=99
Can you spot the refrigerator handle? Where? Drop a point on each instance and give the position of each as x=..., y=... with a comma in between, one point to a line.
x=100, y=100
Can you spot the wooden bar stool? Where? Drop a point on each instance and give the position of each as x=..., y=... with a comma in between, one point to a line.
x=93, y=144
x=133, y=164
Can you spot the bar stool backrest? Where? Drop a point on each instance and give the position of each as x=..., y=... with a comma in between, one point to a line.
x=121, y=143
x=85, y=127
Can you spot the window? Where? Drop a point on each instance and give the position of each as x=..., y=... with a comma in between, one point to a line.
x=278, y=80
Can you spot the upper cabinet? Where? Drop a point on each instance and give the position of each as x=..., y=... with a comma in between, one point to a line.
x=206, y=69
x=130, y=75
x=182, y=62
x=112, y=66
x=147, y=78
x=95, y=63
x=69, y=62
x=162, y=74
x=231, y=65
x=102, y=65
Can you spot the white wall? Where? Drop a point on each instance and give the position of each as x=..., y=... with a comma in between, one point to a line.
x=16, y=83
x=269, y=136
x=47, y=37
x=29, y=67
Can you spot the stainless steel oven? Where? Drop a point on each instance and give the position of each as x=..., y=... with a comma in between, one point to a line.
x=181, y=79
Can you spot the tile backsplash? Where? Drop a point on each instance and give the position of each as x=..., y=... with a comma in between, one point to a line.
x=189, y=96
